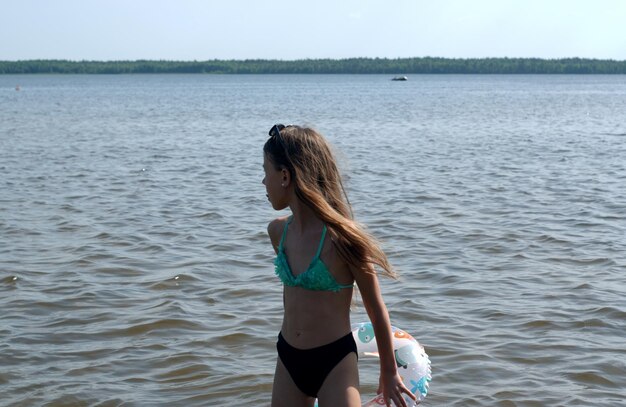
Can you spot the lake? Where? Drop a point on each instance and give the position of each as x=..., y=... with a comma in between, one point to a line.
x=135, y=268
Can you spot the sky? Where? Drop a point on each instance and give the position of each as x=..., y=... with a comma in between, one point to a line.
x=301, y=29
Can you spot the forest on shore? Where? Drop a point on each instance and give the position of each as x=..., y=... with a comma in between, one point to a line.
x=399, y=66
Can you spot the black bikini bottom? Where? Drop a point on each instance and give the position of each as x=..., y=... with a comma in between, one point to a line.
x=309, y=367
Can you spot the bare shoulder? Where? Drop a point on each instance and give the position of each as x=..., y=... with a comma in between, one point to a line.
x=275, y=230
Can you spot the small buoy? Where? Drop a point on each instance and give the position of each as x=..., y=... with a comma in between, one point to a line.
x=17, y=88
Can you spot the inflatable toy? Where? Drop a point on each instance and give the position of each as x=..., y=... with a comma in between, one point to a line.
x=411, y=360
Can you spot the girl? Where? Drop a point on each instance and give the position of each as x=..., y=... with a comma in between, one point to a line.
x=321, y=254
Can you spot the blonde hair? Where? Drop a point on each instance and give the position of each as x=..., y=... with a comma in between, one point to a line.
x=317, y=183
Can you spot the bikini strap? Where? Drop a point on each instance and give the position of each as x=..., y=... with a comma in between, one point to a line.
x=319, y=249
x=282, y=238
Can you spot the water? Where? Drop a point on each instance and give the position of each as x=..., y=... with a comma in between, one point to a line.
x=135, y=268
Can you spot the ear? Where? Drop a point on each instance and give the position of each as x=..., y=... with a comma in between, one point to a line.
x=285, y=177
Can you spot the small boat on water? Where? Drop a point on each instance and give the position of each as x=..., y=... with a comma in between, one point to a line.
x=400, y=78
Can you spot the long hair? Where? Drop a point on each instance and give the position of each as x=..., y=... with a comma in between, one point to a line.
x=317, y=183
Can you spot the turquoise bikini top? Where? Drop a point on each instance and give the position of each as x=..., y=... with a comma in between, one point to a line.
x=316, y=277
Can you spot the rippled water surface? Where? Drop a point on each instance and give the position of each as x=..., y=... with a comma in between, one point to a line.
x=135, y=268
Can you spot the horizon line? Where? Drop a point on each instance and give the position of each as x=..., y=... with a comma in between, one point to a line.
x=313, y=59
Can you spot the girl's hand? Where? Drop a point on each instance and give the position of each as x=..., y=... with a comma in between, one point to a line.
x=391, y=386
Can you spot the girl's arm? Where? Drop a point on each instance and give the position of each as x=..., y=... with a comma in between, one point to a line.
x=275, y=231
x=391, y=384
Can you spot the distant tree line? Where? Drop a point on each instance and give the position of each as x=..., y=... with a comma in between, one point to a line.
x=427, y=65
